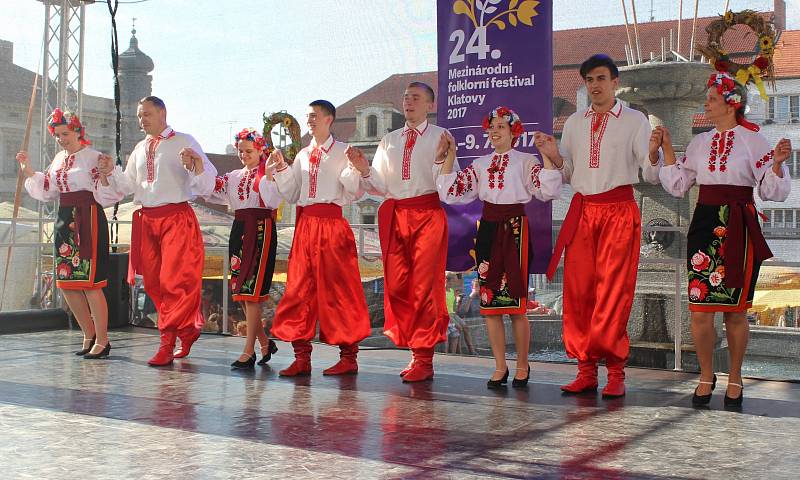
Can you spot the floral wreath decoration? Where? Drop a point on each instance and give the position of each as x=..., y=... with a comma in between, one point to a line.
x=508, y=115
x=756, y=72
x=68, y=118
x=291, y=125
x=252, y=135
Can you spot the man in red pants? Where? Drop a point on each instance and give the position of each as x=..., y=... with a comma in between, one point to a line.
x=602, y=229
x=413, y=230
x=164, y=172
x=323, y=281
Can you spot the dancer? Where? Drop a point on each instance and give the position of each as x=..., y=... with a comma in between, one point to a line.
x=413, y=230
x=164, y=172
x=323, y=282
x=505, y=181
x=601, y=232
x=81, y=230
x=253, y=195
x=725, y=246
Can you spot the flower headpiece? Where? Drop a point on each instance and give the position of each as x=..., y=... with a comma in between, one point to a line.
x=508, y=115
x=68, y=118
x=731, y=92
x=252, y=135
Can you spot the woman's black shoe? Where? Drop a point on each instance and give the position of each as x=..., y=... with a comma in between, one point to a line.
x=734, y=403
x=84, y=351
x=102, y=354
x=497, y=384
x=521, y=382
x=273, y=348
x=701, y=400
x=247, y=364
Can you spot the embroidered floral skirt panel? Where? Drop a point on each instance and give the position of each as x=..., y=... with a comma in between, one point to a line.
x=706, y=261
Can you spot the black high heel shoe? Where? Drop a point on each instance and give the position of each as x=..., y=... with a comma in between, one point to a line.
x=248, y=364
x=102, y=354
x=497, y=384
x=272, y=348
x=521, y=382
x=734, y=403
x=84, y=351
x=702, y=400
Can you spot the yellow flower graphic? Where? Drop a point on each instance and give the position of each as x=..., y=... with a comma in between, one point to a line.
x=517, y=12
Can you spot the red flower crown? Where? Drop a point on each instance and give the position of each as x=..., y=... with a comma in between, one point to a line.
x=508, y=115
x=68, y=118
x=252, y=135
x=726, y=86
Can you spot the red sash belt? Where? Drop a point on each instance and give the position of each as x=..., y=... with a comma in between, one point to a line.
x=428, y=201
x=741, y=206
x=324, y=210
x=136, y=229
x=623, y=193
x=504, y=256
x=249, y=217
x=82, y=202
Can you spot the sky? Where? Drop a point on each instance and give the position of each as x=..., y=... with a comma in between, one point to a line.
x=219, y=65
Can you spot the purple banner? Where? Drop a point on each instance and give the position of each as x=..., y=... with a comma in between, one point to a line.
x=492, y=53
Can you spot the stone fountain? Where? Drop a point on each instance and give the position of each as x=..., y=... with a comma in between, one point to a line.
x=670, y=93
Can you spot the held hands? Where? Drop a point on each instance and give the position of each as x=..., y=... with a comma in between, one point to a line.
x=446, y=152
x=275, y=161
x=105, y=165
x=548, y=148
x=357, y=160
x=782, y=152
x=661, y=138
x=191, y=160
x=23, y=159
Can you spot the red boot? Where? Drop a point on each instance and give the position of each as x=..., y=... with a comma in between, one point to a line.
x=422, y=367
x=409, y=366
x=301, y=367
x=347, y=363
x=585, y=381
x=164, y=354
x=188, y=336
x=616, y=379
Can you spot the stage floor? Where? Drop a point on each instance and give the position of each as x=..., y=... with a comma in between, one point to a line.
x=65, y=417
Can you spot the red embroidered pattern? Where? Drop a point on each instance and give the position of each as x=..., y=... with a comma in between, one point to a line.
x=599, y=124
x=95, y=173
x=411, y=140
x=765, y=160
x=62, y=174
x=463, y=183
x=535, y=175
x=220, y=184
x=721, y=145
x=313, y=172
x=497, y=171
x=152, y=145
x=47, y=180
x=246, y=184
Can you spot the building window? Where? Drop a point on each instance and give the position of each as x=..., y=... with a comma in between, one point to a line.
x=368, y=218
x=372, y=126
x=784, y=108
x=794, y=164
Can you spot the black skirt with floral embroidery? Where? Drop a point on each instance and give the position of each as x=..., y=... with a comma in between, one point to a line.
x=500, y=301
x=706, y=259
x=72, y=271
x=255, y=287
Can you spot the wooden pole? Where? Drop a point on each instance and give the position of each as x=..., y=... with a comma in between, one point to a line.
x=680, y=20
x=636, y=31
x=694, y=28
x=20, y=182
x=627, y=30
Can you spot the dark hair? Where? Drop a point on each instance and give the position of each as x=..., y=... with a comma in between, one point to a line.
x=426, y=87
x=599, y=60
x=155, y=101
x=325, y=106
